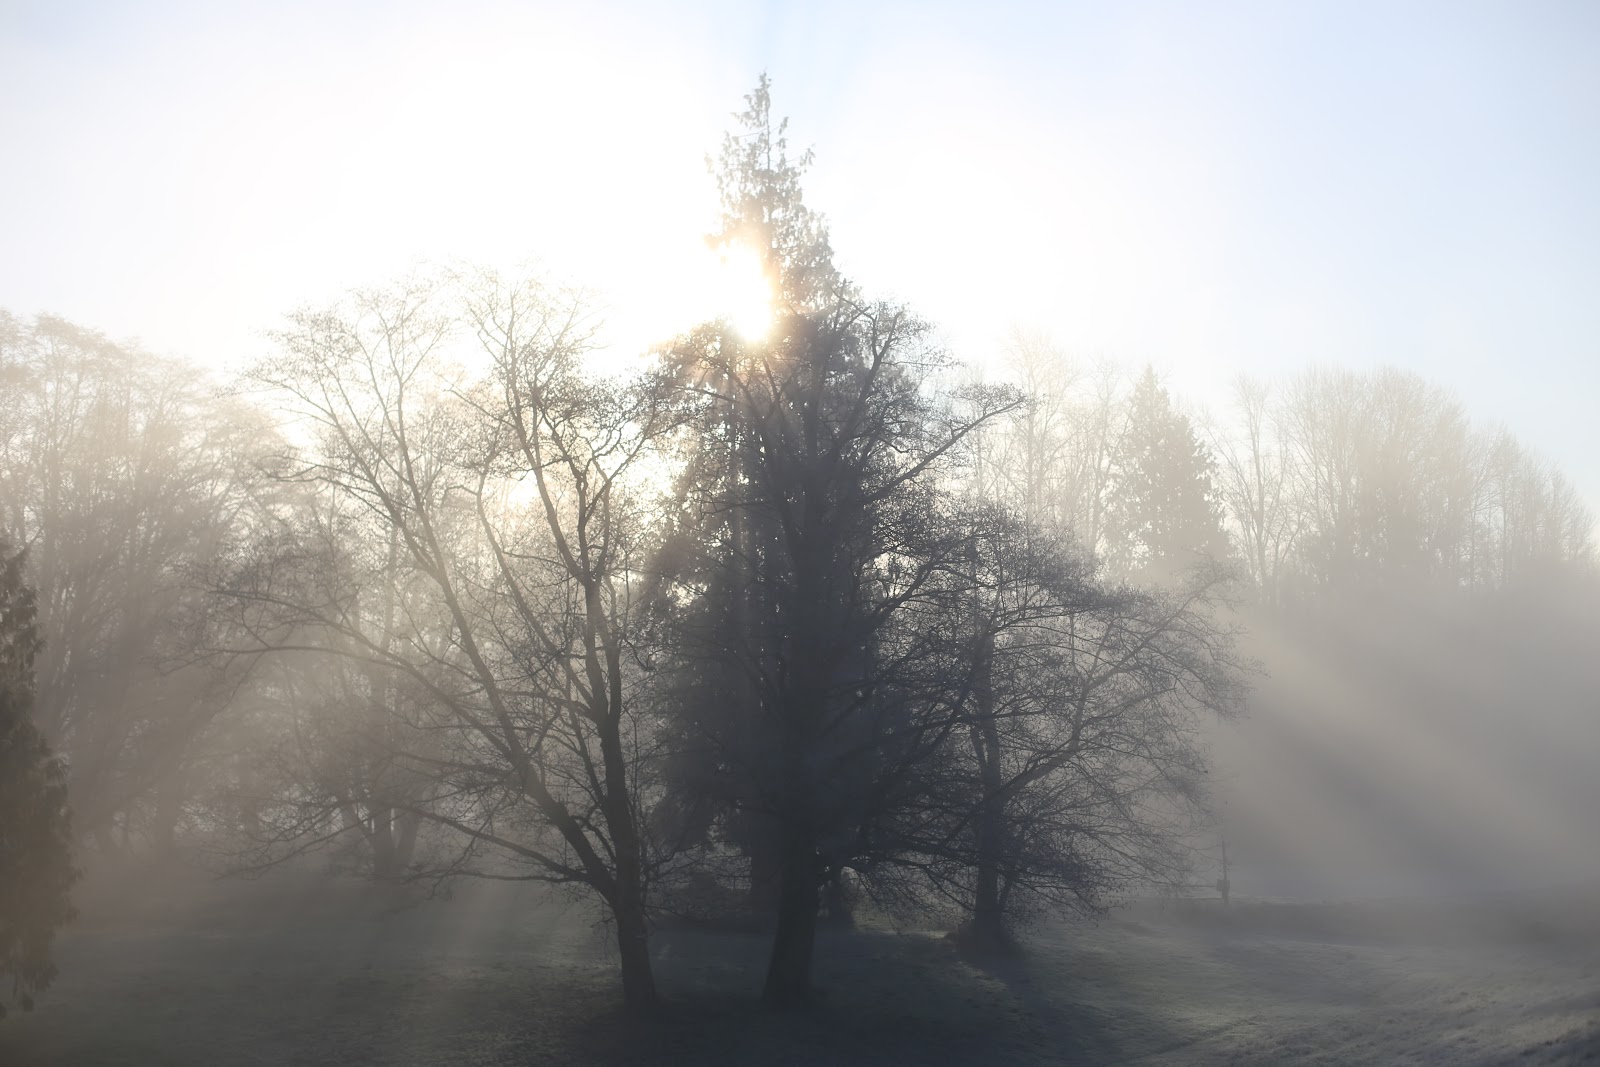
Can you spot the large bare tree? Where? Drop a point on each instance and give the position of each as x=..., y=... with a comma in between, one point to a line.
x=459, y=424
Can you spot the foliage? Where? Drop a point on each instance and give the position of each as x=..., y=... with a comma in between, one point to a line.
x=36, y=870
x=828, y=679
x=124, y=478
x=1162, y=517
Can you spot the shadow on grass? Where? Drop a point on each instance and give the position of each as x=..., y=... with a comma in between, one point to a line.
x=883, y=999
x=312, y=972
x=1057, y=997
x=335, y=975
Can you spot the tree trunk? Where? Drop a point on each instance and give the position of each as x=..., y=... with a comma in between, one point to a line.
x=987, y=928
x=766, y=868
x=633, y=931
x=812, y=640
x=633, y=945
x=986, y=931
x=628, y=902
x=789, y=969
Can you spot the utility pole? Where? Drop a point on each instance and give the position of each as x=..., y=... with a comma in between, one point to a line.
x=1222, y=883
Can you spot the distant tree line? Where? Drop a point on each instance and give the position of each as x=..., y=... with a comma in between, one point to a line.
x=1332, y=482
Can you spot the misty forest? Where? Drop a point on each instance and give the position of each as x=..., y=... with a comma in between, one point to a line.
x=448, y=685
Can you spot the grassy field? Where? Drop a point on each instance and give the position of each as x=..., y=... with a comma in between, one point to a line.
x=299, y=970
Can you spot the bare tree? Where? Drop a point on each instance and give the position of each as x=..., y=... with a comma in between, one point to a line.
x=1054, y=460
x=1074, y=767
x=124, y=478
x=1389, y=485
x=508, y=496
x=1254, y=482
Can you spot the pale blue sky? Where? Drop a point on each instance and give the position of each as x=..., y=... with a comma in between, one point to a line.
x=1211, y=187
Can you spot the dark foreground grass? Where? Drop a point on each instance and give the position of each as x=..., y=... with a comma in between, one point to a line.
x=304, y=970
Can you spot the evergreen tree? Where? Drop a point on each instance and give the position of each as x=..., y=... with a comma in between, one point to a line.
x=810, y=532
x=1163, y=517
x=36, y=868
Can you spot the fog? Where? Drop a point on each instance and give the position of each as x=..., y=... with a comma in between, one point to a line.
x=1433, y=765
x=734, y=629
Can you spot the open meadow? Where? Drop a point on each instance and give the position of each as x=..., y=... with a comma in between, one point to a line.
x=295, y=969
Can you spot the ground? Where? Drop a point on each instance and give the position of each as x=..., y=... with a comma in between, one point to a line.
x=297, y=970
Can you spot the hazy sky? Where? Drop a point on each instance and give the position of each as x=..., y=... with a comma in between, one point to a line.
x=1209, y=187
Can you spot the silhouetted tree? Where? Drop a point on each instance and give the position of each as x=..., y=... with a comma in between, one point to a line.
x=1075, y=770
x=821, y=537
x=36, y=870
x=509, y=498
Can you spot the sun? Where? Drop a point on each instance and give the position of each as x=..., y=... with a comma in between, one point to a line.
x=688, y=282
x=742, y=292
